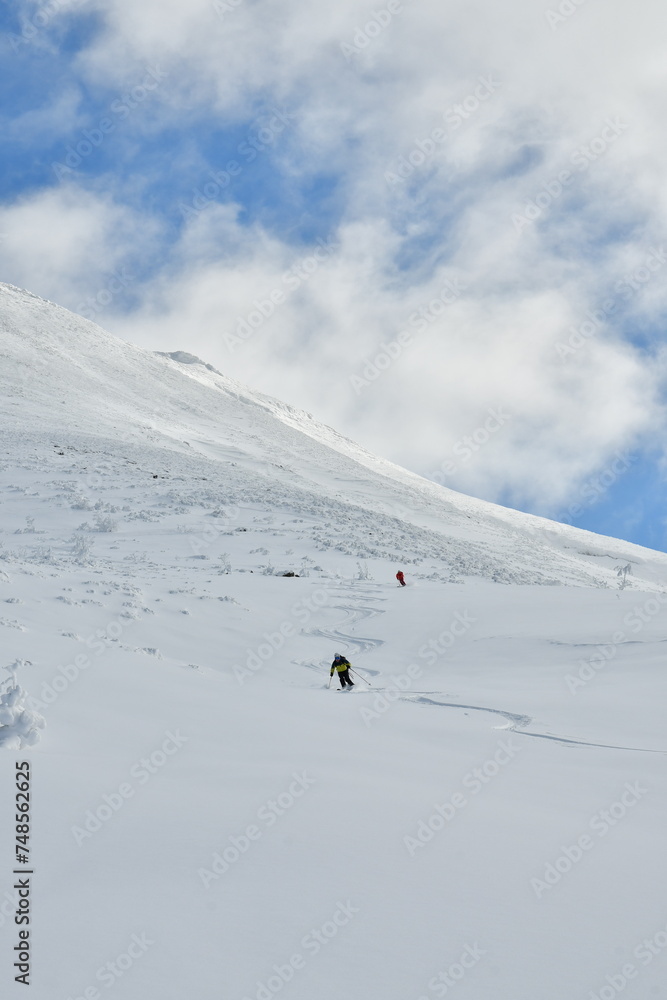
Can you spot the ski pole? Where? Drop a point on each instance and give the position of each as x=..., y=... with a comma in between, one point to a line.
x=362, y=677
x=330, y=680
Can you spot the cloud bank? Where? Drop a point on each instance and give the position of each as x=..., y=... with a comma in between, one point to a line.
x=442, y=228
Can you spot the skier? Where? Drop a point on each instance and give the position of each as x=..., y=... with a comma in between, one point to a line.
x=400, y=578
x=343, y=667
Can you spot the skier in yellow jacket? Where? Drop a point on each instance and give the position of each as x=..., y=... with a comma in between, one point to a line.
x=343, y=667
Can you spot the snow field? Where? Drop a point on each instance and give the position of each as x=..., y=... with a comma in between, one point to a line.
x=209, y=821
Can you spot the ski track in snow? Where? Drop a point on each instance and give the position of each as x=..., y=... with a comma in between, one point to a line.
x=516, y=723
x=353, y=613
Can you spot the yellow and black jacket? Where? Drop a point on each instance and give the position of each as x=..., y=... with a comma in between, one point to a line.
x=340, y=664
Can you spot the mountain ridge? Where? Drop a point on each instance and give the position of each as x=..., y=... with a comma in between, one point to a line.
x=64, y=372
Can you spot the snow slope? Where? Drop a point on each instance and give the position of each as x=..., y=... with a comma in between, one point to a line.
x=209, y=820
x=64, y=373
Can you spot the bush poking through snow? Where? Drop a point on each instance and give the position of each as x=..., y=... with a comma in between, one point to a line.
x=19, y=725
x=363, y=572
x=105, y=523
x=29, y=528
x=82, y=549
x=622, y=572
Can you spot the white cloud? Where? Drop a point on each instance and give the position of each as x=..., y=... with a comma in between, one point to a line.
x=64, y=243
x=59, y=115
x=551, y=98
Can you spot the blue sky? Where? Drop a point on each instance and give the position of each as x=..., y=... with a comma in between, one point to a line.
x=459, y=211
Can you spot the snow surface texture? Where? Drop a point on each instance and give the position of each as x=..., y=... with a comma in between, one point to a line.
x=485, y=820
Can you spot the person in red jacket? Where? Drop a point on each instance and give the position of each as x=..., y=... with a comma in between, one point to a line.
x=400, y=578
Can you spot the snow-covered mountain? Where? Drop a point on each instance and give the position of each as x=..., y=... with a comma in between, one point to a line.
x=180, y=558
x=64, y=378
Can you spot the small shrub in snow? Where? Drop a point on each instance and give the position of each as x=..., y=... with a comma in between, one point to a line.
x=81, y=503
x=136, y=557
x=218, y=512
x=82, y=549
x=29, y=528
x=142, y=515
x=106, y=508
x=305, y=564
x=39, y=554
x=363, y=572
x=103, y=522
